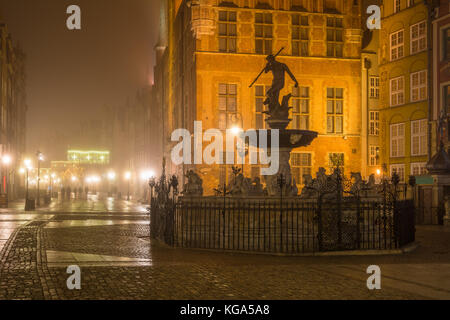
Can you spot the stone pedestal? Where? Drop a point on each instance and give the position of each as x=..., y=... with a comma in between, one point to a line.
x=440, y=198
x=284, y=169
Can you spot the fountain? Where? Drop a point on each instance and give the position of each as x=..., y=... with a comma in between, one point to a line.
x=278, y=118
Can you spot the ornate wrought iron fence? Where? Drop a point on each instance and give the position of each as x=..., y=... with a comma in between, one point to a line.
x=296, y=226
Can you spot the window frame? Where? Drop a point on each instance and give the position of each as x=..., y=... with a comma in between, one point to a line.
x=419, y=86
x=397, y=92
x=228, y=113
x=298, y=97
x=400, y=141
x=374, y=122
x=263, y=38
x=422, y=137
x=227, y=36
x=421, y=165
x=334, y=28
x=300, y=41
x=335, y=115
x=374, y=155
x=261, y=113
x=374, y=87
x=301, y=166
x=397, y=6
x=398, y=45
x=398, y=166
x=418, y=38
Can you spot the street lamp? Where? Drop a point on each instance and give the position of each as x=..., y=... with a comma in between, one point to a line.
x=27, y=163
x=111, y=177
x=40, y=157
x=128, y=177
x=146, y=175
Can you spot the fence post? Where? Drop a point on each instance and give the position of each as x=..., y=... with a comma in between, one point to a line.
x=319, y=221
x=358, y=221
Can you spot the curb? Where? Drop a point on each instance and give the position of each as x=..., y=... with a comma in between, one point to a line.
x=405, y=249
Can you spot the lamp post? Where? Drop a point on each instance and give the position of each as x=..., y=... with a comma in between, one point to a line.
x=52, y=178
x=40, y=157
x=27, y=163
x=128, y=177
x=146, y=175
x=6, y=160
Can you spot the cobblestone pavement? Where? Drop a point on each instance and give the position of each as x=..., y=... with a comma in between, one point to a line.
x=108, y=239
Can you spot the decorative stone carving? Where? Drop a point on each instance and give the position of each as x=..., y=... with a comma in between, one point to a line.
x=203, y=19
x=194, y=186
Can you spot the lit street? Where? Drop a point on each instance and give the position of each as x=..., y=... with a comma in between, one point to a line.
x=108, y=239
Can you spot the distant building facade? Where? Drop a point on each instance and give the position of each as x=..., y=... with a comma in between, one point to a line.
x=13, y=108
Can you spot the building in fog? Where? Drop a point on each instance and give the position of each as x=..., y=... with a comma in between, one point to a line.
x=211, y=50
x=13, y=108
x=136, y=146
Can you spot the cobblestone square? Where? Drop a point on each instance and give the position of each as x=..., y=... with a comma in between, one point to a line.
x=118, y=261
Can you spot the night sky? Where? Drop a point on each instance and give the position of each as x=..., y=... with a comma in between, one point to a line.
x=71, y=75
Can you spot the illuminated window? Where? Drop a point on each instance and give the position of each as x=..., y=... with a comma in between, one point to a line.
x=301, y=165
x=300, y=108
x=419, y=85
x=260, y=96
x=374, y=123
x=399, y=169
x=374, y=87
x=374, y=158
x=335, y=38
x=300, y=35
x=397, y=140
x=446, y=44
x=335, y=110
x=418, y=168
x=418, y=37
x=263, y=33
x=397, y=91
x=227, y=31
x=419, y=137
x=397, y=45
x=227, y=105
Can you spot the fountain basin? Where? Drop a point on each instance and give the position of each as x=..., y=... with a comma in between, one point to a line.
x=290, y=138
